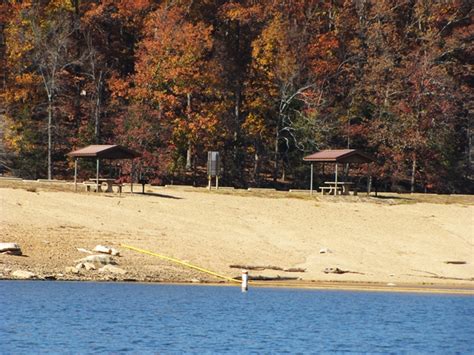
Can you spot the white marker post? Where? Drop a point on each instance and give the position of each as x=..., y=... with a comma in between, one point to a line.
x=245, y=280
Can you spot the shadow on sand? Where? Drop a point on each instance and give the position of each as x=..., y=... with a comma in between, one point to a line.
x=154, y=194
x=382, y=197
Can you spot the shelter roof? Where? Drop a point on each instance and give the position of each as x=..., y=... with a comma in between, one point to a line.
x=104, y=152
x=340, y=156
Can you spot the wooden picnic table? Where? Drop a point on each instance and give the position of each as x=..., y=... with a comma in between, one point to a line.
x=106, y=183
x=333, y=186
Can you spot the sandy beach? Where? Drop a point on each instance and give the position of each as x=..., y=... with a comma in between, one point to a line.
x=396, y=240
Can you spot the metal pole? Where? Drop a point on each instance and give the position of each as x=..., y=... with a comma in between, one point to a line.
x=217, y=182
x=97, y=176
x=311, y=181
x=209, y=179
x=335, y=179
x=245, y=280
x=75, y=175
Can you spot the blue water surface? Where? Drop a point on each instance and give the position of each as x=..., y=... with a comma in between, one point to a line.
x=71, y=317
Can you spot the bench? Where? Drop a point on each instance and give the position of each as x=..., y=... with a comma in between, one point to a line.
x=91, y=186
x=329, y=190
x=103, y=187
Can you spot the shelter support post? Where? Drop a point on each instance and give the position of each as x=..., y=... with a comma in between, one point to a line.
x=311, y=180
x=75, y=175
x=97, y=176
x=335, y=179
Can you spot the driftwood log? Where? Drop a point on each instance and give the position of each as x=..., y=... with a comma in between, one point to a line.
x=268, y=278
x=336, y=270
x=266, y=267
x=432, y=275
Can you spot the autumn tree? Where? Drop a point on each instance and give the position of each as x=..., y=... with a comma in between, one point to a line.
x=174, y=79
x=264, y=82
x=293, y=60
x=38, y=42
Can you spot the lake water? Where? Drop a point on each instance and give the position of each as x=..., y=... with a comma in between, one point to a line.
x=75, y=317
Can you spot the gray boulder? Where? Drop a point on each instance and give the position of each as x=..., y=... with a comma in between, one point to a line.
x=72, y=270
x=99, y=259
x=10, y=248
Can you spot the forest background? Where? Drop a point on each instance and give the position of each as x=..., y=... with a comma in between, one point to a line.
x=262, y=82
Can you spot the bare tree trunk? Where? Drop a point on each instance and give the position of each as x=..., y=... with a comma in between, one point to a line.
x=237, y=154
x=346, y=171
x=276, y=153
x=50, y=120
x=189, y=154
x=256, y=166
x=413, y=172
x=194, y=165
x=97, y=109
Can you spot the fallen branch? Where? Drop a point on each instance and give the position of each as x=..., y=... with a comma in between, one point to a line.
x=332, y=270
x=295, y=269
x=426, y=272
x=445, y=277
x=266, y=267
x=436, y=276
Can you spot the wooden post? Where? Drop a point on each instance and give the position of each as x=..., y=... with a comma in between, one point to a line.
x=245, y=280
x=97, y=176
x=335, y=180
x=311, y=181
x=75, y=175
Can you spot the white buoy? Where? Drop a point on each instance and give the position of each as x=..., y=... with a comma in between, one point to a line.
x=245, y=280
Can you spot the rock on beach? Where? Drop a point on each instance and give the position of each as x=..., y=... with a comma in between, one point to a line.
x=99, y=258
x=23, y=274
x=106, y=250
x=112, y=269
x=10, y=248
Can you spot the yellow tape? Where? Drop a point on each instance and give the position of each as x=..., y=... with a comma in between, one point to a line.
x=179, y=262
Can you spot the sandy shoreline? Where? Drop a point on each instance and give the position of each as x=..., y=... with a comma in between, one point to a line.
x=463, y=290
x=389, y=243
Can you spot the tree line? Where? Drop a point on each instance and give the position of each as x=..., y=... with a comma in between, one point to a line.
x=263, y=82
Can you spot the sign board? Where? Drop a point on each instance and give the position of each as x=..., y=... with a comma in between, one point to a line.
x=213, y=164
